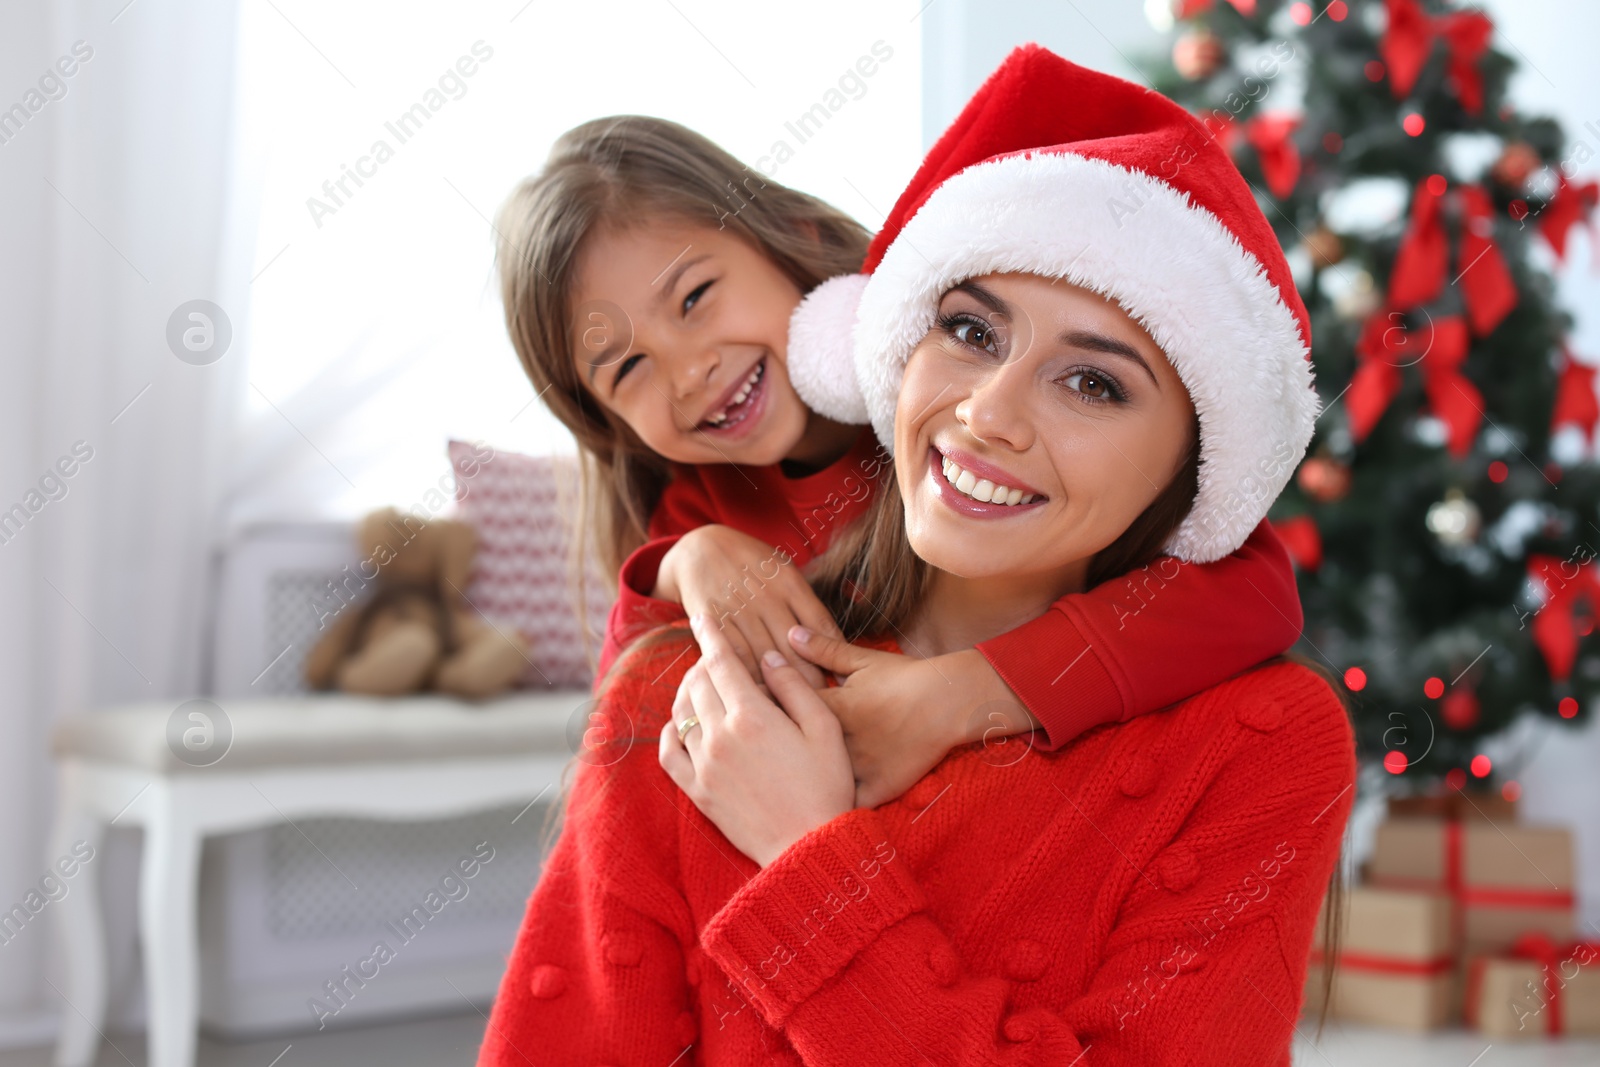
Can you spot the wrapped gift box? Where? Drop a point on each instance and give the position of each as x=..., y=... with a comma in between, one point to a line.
x=1394, y=965
x=1535, y=989
x=1455, y=804
x=1507, y=879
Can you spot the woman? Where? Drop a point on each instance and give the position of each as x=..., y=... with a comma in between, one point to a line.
x=1144, y=895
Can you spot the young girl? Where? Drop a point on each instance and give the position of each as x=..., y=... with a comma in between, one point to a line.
x=649, y=282
x=1143, y=896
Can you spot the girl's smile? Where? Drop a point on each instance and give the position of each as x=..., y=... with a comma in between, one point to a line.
x=738, y=411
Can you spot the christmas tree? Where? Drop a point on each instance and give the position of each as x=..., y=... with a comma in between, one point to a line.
x=1446, y=520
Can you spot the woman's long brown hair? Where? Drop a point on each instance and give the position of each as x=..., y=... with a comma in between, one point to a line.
x=873, y=583
x=632, y=170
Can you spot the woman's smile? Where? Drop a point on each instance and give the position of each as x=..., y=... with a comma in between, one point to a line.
x=970, y=486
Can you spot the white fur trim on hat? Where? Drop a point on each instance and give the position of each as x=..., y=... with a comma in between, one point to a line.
x=1171, y=264
x=821, y=359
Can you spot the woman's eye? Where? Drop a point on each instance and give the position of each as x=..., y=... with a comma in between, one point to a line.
x=975, y=334
x=694, y=297
x=1092, y=385
x=626, y=366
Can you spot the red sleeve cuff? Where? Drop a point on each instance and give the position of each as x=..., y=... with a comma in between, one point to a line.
x=1054, y=670
x=800, y=921
x=636, y=612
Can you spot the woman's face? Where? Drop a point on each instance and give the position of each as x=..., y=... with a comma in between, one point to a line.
x=680, y=330
x=1055, y=394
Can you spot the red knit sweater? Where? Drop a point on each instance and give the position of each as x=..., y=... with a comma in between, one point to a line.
x=1122, y=649
x=1147, y=892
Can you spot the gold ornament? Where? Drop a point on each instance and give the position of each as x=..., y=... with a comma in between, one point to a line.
x=1324, y=247
x=1356, y=297
x=1455, y=520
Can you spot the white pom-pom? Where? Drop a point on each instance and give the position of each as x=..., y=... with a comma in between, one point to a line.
x=821, y=358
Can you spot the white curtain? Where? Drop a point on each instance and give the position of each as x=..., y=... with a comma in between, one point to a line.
x=116, y=180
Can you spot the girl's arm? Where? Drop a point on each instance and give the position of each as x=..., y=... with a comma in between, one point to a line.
x=685, y=505
x=597, y=974
x=1124, y=648
x=1151, y=638
x=754, y=591
x=1210, y=972
x=636, y=611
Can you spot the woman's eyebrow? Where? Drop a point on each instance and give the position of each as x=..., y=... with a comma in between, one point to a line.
x=1099, y=342
x=982, y=296
x=1084, y=339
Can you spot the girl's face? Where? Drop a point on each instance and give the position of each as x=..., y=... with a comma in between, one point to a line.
x=1054, y=394
x=680, y=330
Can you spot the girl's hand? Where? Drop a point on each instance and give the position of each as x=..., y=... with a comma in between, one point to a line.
x=765, y=775
x=752, y=590
x=901, y=716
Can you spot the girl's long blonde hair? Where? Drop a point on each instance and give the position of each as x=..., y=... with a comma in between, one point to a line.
x=625, y=171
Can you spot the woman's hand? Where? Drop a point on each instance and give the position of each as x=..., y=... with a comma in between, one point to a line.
x=752, y=590
x=901, y=716
x=765, y=775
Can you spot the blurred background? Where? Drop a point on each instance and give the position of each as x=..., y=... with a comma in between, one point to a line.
x=233, y=325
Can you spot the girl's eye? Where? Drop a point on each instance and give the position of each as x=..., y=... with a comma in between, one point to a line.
x=1093, y=386
x=694, y=297
x=623, y=368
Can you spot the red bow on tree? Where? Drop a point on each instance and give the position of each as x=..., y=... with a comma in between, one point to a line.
x=1269, y=136
x=1571, y=205
x=1280, y=159
x=1439, y=349
x=1409, y=40
x=1423, y=259
x=1302, y=539
x=1555, y=625
x=1576, y=404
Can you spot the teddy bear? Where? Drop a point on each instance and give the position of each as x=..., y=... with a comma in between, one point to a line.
x=418, y=630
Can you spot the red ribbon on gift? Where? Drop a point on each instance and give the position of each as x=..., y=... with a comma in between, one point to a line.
x=1409, y=41
x=1468, y=896
x=1423, y=259
x=1572, y=204
x=1280, y=159
x=1555, y=625
x=1576, y=404
x=1438, y=349
x=1539, y=948
x=1374, y=964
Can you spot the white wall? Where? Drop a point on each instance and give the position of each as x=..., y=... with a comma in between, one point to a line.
x=26, y=235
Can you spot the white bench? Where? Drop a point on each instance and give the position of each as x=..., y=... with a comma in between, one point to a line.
x=203, y=768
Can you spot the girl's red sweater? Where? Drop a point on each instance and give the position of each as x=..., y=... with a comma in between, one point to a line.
x=1145, y=895
x=1122, y=649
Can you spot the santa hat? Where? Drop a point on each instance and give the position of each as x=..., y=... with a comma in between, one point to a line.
x=1057, y=170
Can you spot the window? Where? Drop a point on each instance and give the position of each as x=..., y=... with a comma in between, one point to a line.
x=379, y=140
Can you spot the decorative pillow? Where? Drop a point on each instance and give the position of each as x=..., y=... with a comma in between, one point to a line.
x=521, y=577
